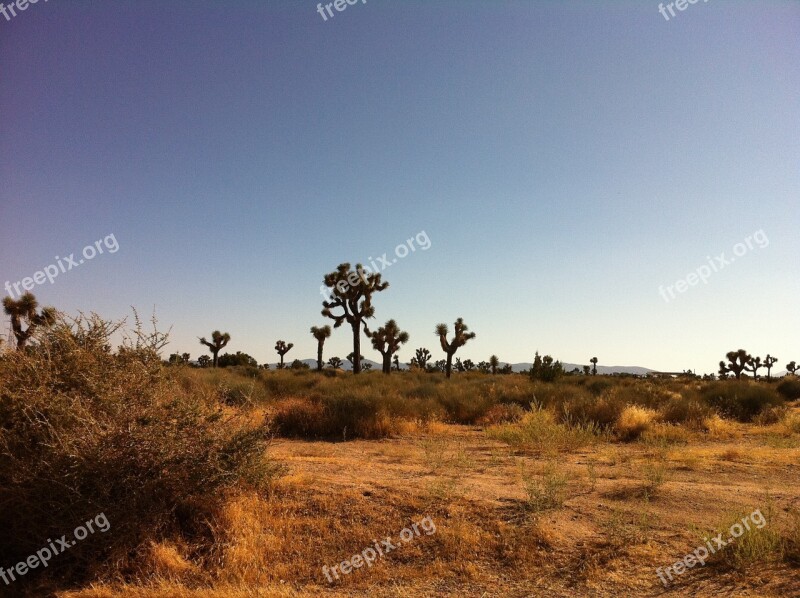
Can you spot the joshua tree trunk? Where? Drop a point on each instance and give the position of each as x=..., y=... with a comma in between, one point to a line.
x=319, y=356
x=449, y=366
x=215, y=353
x=387, y=363
x=356, y=347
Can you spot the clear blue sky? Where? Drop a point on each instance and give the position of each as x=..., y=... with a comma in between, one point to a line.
x=565, y=159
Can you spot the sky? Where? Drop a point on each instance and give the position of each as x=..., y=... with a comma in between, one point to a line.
x=568, y=163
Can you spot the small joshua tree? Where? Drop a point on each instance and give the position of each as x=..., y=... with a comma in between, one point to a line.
x=593, y=361
x=753, y=365
x=386, y=340
x=218, y=342
x=586, y=370
x=769, y=361
x=396, y=362
x=204, y=361
x=25, y=309
x=423, y=356
x=723, y=371
x=737, y=360
x=335, y=363
x=351, y=357
x=791, y=367
x=352, y=291
x=283, y=348
x=460, y=338
x=494, y=363
x=469, y=365
x=320, y=333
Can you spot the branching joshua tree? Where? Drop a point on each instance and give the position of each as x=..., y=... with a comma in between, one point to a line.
x=320, y=333
x=737, y=360
x=586, y=370
x=494, y=363
x=335, y=363
x=753, y=365
x=769, y=361
x=469, y=365
x=25, y=309
x=423, y=356
x=386, y=340
x=282, y=349
x=791, y=367
x=204, y=361
x=593, y=361
x=460, y=338
x=723, y=371
x=218, y=342
x=352, y=291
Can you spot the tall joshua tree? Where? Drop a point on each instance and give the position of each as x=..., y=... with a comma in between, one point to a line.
x=352, y=291
x=737, y=360
x=320, y=333
x=282, y=347
x=218, y=342
x=423, y=356
x=791, y=367
x=494, y=363
x=386, y=340
x=593, y=361
x=25, y=309
x=460, y=338
x=769, y=361
x=753, y=365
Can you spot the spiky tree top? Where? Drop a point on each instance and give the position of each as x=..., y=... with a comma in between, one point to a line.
x=218, y=340
x=737, y=360
x=388, y=338
x=791, y=367
x=25, y=309
x=283, y=348
x=321, y=332
x=351, y=291
x=460, y=337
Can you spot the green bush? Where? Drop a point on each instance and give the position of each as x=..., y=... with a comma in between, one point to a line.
x=739, y=399
x=789, y=389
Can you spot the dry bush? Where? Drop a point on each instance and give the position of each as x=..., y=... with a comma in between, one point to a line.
x=740, y=399
x=789, y=388
x=633, y=422
x=719, y=428
x=501, y=414
x=85, y=430
x=539, y=431
x=685, y=410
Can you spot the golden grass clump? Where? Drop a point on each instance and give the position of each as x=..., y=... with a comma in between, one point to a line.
x=634, y=421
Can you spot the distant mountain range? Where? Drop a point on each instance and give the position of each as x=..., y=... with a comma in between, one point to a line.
x=516, y=367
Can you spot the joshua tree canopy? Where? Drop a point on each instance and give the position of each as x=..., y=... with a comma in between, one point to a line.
x=218, y=342
x=753, y=365
x=351, y=292
x=335, y=362
x=593, y=361
x=387, y=340
x=25, y=309
x=460, y=338
x=737, y=360
x=791, y=367
x=320, y=333
x=283, y=348
x=494, y=363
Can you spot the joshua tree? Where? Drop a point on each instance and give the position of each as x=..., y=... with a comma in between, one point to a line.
x=723, y=371
x=494, y=362
x=483, y=367
x=469, y=365
x=366, y=366
x=186, y=358
x=423, y=356
x=335, y=363
x=593, y=361
x=769, y=361
x=586, y=370
x=386, y=340
x=753, y=365
x=396, y=362
x=218, y=341
x=283, y=348
x=439, y=366
x=791, y=367
x=204, y=361
x=320, y=333
x=352, y=290
x=460, y=338
x=737, y=360
x=25, y=308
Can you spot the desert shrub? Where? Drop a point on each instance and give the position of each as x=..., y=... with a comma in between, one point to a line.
x=771, y=415
x=547, y=491
x=719, y=428
x=585, y=409
x=539, y=431
x=740, y=400
x=598, y=386
x=85, y=430
x=289, y=383
x=633, y=422
x=464, y=404
x=501, y=414
x=789, y=389
x=299, y=418
x=685, y=410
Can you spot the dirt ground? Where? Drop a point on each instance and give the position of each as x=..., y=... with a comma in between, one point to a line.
x=597, y=522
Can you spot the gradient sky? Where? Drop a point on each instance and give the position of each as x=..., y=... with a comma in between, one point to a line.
x=565, y=160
